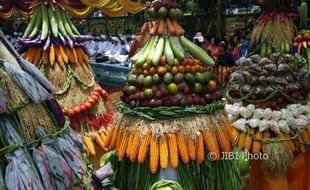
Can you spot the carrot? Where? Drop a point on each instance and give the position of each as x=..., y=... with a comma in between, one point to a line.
x=100, y=142
x=143, y=28
x=75, y=56
x=52, y=55
x=70, y=55
x=31, y=54
x=171, y=29
x=79, y=56
x=59, y=57
x=304, y=44
x=149, y=25
x=179, y=31
x=24, y=55
x=154, y=29
x=161, y=27
x=85, y=56
x=299, y=46
x=90, y=145
x=37, y=56
x=308, y=44
x=64, y=54
x=45, y=57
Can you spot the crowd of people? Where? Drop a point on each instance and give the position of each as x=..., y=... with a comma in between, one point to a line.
x=224, y=51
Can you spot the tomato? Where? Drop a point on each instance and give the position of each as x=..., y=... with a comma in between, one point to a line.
x=98, y=89
x=92, y=101
x=71, y=112
x=83, y=108
x=88, y=105
x=77, y=110
x=96, y=93
x=163, y=60
x=94, y=97
x=104, y=93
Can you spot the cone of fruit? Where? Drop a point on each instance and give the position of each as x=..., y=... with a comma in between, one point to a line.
x=53, y=44
x=171, y=107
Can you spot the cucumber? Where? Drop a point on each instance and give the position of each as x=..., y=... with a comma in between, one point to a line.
x=73, y=28
x=159, y=51
x=45, y=23
x=147, y=51
x=168, y=51
x=152, y=51
x=53, y=22
x=60, y=23
x=31, y=23
x=177, y=52
x=67, y=26
x=196, y=51
x=136, y=57
x=263, y=49
x=178, y=44
x=38, y=24
x=303, y=15
x=287, y=47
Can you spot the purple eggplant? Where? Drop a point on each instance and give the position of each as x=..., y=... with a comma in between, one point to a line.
x=54, y=107
x=55, y=41
x=47, y=42
x=70, y=43
x=63, y=40
x=96, y=183
x=22, y=49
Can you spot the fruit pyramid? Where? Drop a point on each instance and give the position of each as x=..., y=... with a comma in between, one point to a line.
x=268, y=106
x=37, y=145
x=53, y=44
x=171, y=106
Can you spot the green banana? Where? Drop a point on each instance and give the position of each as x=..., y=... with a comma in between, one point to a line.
x=67, y=26
x=31, y=24
x=73, y=28
x=53, y=22
x=38, y=24
x=60, y=23
x=263, y=49
x=45, y=23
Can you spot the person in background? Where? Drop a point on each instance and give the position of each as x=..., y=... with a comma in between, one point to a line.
x=225, y=58
x=198, y=39
x=214, y=48
x=232, y=49
x=206, y=43
x=245, y=44
x=115, y=48
x=237, y=42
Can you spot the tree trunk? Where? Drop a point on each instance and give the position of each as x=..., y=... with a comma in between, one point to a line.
x=220, y=23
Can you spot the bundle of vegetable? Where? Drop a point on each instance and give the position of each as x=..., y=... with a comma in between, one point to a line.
x=271, y=82
x=53, y=44
x=273, y=32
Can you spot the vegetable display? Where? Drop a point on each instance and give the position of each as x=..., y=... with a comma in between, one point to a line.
x=53, y=44
x=38, y=148
x=171, y=114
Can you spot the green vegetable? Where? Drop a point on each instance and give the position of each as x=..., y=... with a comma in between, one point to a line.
x=60, y=23
x=45, y=23
x=243, y=162
x=38, y=23
x=168, y=51
x=67, y=26
x=31, y=24
x=303, y=15
x=105, y=158
x=158, y=52
x=72, y=26
x=142, y=58
x=166, y=185
x=142, y=50
x=152, y=51
x=53, y=22
x=196, y=51
x=177, y=52
x=263, y=49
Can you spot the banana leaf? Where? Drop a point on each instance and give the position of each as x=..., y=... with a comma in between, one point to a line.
x=4, y=104
x=36, y=74
x=25, y=81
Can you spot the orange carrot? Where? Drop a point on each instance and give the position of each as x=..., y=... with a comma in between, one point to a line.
x=171, y=29
x=63, y=54
x=154, y=29
x=80, y=54
x=37, y=56
x=31, y=54
x=143, y=28
x=161, y=27
x=149, y=25
x=179, y=31
x=59, y=57
x=45, y=57
x=52, y=55
x=299, y=46
x=70, y=54
x=304, y=44
x=75, y=56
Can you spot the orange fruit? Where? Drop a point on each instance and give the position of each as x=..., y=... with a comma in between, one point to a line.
x=198, y=68
x=212, y=84
x=134, y=71
x=163, y=60
x=174, y=70
x=145, y=66
x=146, y=72
x=188, y=68
x=181, y=69
x=161, y=70
x=139, y=70
x=193, y=69
x=172, y=89
x=152, y=71
x=176, y=62
x=168, y=67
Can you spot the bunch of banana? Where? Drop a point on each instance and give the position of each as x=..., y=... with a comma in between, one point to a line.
x=96, y=3
x=79, y=13
x=6, y=15
x=114, y=12
x=131, y=6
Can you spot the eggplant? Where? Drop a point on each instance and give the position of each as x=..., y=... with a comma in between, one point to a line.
x=22, y=49
x=70, y=43
x=54, y=107
x=47, y=42
x=62, y=39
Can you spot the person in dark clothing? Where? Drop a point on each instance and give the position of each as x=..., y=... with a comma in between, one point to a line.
x=225, y=57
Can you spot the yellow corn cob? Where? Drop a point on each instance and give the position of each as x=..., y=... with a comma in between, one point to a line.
x=144, y=146
x=242, y=138
x=191, y=149
x=163, y=152
x=266, y=135
x=114, y=138
x=109, y=136
x=135, y=146
x=211, y=143
x=130, y=140
x=290, y=143
x=248, y=141
x=173, y=150
x=119, y=139
x=154, y=155
x=223, y=139
x=257, y=145
x=121, y=152
x=200, y=153
x=182, y=148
